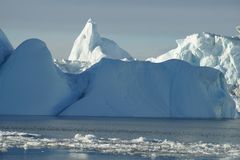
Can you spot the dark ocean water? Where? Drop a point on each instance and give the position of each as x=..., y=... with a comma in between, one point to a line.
x=117, y=138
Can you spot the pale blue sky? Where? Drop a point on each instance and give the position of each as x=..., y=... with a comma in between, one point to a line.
x=142, y=27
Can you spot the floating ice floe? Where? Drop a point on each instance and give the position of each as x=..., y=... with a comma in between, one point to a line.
x=141, y=146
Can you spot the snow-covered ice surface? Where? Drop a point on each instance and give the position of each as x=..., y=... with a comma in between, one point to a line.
x=143, y=89
x=5, y=47
x=30, y=83
x=206, y=49
x=89, y=48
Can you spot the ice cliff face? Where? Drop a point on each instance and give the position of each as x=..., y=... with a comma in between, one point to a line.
x=91, y=47
x=5, y=47
x=205, y=49
x=143, y=89
x=30, y=83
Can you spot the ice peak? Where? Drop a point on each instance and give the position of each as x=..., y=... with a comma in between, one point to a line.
x=90, y=31
x=88, y=39
x=90, y=21
x=90, y=47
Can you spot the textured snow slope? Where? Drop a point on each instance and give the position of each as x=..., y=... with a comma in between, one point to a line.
x=30, y=83
x=143, y=89
x=90, y=47
x=205, y=49
x=5, y=47
x=210, y=50
x=74, y=67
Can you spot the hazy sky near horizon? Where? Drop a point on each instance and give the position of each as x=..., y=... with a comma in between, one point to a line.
x=144, y=28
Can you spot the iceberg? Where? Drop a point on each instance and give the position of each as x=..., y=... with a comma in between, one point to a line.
x=113, y=85
x=89, y=48
x=144, y=89
x=206, y=49
x=30, y=83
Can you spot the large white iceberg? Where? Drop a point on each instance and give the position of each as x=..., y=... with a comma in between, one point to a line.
x=30, y=83
x=205, y=49
x=143, y=89
x=5, y=47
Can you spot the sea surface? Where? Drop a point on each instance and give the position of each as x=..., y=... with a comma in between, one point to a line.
x=98, y=138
